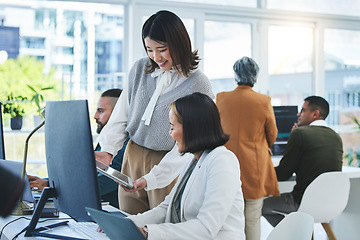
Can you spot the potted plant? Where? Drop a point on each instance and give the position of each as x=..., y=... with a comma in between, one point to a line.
x=37, y=97
x=353, y=154
x=15, y=110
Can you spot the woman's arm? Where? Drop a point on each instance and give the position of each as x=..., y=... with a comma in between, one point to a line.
x=168, y=169
x=163, y=174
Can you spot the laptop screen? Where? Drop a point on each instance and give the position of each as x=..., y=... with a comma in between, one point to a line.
x=16, y=168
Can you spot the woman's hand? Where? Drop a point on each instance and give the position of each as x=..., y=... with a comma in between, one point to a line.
x=143, y=231
x=138, y=185
x=103, y=157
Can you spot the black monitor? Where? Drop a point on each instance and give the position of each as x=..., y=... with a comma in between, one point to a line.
x=2, y=145
x=70, y=162
x=285, y=117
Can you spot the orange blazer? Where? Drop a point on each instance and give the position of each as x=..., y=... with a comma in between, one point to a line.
x=249, y=119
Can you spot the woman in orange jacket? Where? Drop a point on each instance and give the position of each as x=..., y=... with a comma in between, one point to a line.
x=249, y=119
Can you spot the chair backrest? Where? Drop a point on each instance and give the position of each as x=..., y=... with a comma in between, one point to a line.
x=295, y=226
x=326, y=197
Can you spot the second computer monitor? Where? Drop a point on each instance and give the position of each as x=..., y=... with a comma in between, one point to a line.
x=285, y=117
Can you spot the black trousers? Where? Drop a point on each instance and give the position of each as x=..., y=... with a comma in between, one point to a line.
x=284, y=203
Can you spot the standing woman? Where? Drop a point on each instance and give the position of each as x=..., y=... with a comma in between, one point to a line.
x=166, y=74
x=249, y=119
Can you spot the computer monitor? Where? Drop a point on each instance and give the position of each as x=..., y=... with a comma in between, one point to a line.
x=70, y=162
x=2, y=145
x=70, y=157
x=285, y=117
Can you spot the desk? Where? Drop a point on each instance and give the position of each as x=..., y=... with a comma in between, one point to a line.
x=14, y=228
x=346, y=225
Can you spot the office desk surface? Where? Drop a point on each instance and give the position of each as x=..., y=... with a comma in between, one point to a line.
x=20, y=222
x=352, y=172
x=12, y=229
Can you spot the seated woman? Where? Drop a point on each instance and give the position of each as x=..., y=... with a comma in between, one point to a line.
x=207, y=200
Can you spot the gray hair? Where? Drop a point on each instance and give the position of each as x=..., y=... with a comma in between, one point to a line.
x=246, y=71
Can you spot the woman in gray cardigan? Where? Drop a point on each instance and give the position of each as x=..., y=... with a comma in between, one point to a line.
x=166, y=74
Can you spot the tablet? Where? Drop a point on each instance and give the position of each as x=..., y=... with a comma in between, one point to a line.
x=114, y=174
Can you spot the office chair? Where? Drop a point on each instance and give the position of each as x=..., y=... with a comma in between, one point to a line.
x=295, y=226
x=325, y=198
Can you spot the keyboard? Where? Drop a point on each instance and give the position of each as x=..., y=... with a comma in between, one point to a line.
x=88, y=230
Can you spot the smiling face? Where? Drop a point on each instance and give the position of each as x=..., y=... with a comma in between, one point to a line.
x=159, y=53
x=176, y=131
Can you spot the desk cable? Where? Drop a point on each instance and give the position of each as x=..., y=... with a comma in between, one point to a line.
x=16, y=236
x=3, y=228
x=50, y=219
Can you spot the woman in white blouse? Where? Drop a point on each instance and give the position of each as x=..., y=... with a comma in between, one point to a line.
x=141, y=113
x=207, y=200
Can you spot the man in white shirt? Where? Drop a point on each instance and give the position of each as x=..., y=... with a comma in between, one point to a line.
x=312, y=149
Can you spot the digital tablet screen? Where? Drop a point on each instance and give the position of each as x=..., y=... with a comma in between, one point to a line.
x=114, y=174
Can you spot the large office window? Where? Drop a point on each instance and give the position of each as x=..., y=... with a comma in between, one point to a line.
x=225, y=42
x=93, y=44
x=83, y=42
x=290, y=64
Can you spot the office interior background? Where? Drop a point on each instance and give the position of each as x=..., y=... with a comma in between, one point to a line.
x=303, y=47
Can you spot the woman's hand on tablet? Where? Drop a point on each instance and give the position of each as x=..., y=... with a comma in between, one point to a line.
x=138, y=185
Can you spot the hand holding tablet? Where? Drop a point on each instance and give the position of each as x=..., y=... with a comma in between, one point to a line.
x=114, y=174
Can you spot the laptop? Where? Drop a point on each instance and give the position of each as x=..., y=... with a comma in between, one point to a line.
x=116, y=227
x=16, y=168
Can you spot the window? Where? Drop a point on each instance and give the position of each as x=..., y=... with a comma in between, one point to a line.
x=239, y=3
x=342, y=85
x=225, y=42
x=342, y=73
x=290, y=64
x=349, y=7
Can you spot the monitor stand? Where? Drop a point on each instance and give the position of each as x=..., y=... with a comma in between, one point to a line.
x=32, y=231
